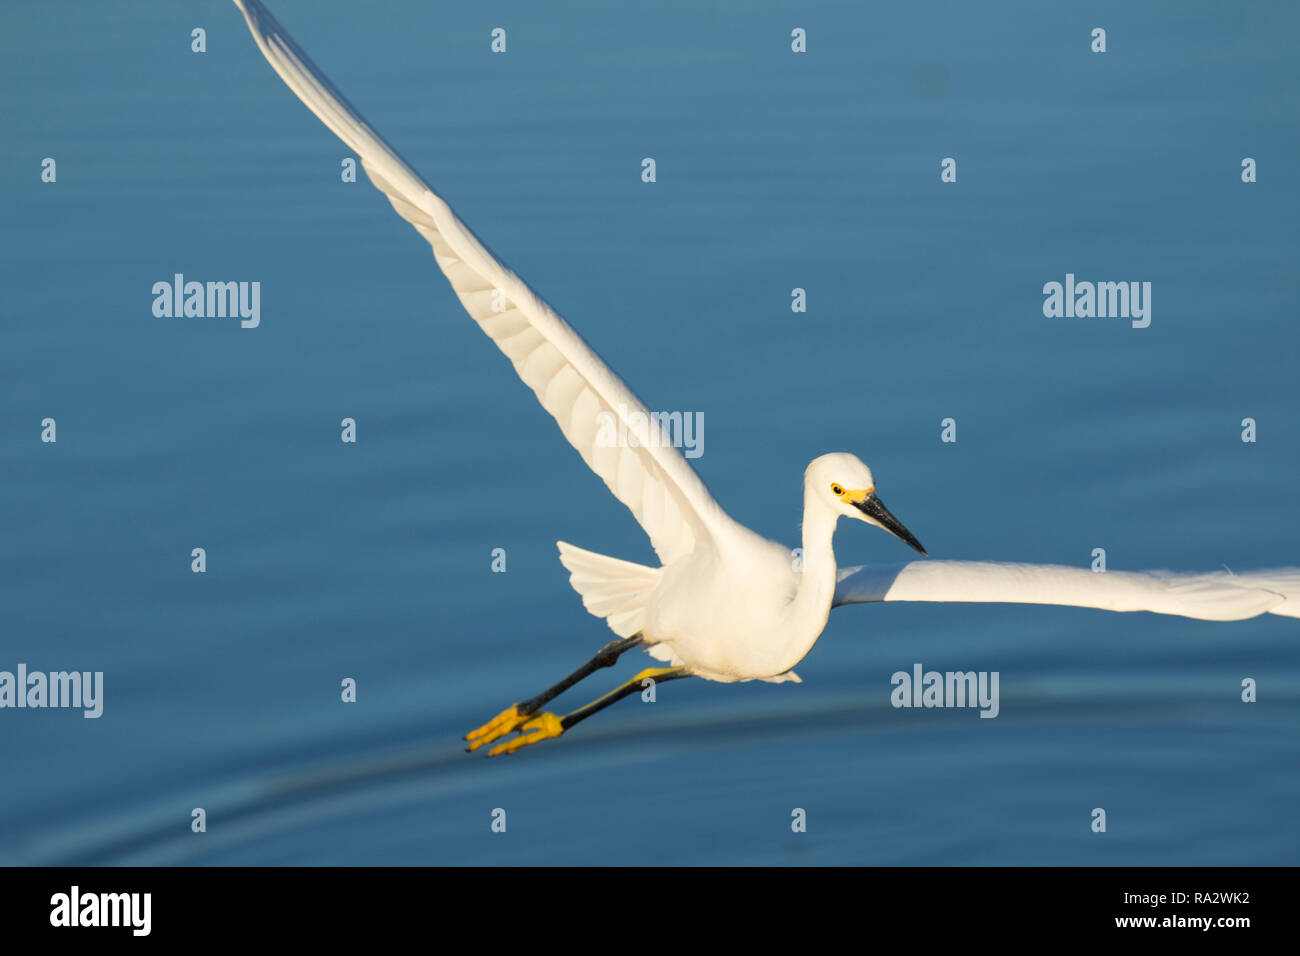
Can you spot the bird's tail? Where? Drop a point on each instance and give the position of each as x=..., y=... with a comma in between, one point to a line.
x=617, y=590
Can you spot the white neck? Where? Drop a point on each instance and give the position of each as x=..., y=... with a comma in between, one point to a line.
x=806, y=615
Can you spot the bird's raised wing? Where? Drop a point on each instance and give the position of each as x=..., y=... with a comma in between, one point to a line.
x=1213, y=596
x=572, y=383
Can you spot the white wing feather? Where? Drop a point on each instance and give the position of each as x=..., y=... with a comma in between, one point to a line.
x=570, y=380
x=1214, y=596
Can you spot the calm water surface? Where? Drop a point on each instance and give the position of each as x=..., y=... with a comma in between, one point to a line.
x=775, y=171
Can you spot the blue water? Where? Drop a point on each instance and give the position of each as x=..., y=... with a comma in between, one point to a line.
x=775, y=171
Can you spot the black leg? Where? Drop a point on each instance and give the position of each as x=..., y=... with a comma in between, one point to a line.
x=657, y=674
x=546, y=725
x=514, y=716
x=607, y=656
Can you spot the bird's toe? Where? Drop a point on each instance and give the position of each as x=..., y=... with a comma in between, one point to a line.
x=543, y=727
x=503, y=723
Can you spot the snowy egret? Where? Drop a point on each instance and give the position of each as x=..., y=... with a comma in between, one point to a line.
x=725, y=604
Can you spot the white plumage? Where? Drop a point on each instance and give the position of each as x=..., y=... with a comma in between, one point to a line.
x=569, y=379
x=1211, y=596
x=726, y=603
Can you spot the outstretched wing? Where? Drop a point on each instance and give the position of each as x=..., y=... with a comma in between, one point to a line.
x=1213, y=596
x=570, y=380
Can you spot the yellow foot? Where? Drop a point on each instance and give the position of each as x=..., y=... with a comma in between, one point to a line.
x=507, y=721
x=544, y=727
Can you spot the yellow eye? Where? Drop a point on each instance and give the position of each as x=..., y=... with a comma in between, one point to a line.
x=836, y=490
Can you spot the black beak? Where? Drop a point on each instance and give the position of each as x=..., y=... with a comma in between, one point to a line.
x=874, y=508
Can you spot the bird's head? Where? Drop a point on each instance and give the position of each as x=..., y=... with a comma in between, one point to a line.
x=845, y=485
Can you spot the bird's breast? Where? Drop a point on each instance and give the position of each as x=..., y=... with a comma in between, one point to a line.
x=732, y=624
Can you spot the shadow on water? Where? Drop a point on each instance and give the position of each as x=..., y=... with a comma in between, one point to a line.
x=259, y=806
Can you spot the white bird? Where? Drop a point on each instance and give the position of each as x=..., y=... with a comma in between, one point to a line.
x=726, y=604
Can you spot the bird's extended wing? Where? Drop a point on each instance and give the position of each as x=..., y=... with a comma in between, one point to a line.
x=1214, y=596
x=570, y=380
